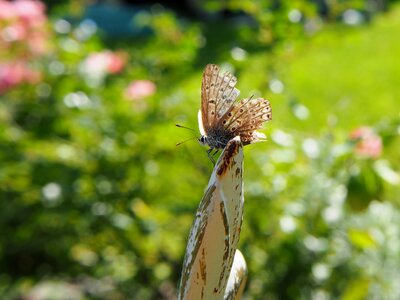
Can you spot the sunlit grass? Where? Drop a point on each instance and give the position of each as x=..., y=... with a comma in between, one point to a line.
x=350, y=74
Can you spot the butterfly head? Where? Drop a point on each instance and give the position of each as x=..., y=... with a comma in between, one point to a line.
x=203, y=140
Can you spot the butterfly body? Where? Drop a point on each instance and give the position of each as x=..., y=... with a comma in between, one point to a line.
x=215, y=140
x=221, y=117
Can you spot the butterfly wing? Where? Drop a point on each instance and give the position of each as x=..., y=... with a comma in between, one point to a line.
x=221, y=117
x=245, y=117
x=218, y=94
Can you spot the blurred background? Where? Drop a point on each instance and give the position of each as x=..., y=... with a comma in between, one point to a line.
x=96, y=199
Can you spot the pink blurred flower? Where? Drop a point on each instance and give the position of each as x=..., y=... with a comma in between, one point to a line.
x=24, y=36
x=14, y=32
x=23, y=27
x=38, y=44
x=100, y=63
x=16, y=73
x=116, y=61
x=368, y=143
x=30, y=10
x=7, y=10
x=139, y=89
x=10, y=76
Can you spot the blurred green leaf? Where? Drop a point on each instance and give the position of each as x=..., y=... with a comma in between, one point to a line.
x=361, y=239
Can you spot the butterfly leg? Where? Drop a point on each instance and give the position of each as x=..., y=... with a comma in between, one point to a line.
x=216, y=151
x=211, y=156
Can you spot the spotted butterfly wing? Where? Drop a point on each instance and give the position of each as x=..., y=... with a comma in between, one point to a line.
x=221, y=118
x=245, y=118
x=218, y=94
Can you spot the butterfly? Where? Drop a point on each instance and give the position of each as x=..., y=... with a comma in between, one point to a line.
x=221, y=117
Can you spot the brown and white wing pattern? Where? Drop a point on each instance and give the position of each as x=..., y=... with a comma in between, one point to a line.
x=221, y=117
x=245, y=117
x=218, y=94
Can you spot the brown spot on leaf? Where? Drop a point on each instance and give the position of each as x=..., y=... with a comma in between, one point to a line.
x=203, y=266
x=237, y=171
x=231, y=149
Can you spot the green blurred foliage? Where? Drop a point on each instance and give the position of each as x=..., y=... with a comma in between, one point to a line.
x=97, y=200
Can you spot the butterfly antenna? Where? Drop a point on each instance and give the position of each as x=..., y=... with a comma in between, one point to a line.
x=180, y=126
x=178, y=144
